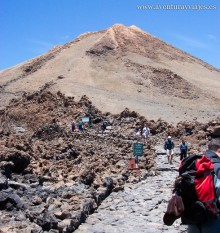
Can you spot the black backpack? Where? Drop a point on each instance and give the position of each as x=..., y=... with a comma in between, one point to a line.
x=195, y=184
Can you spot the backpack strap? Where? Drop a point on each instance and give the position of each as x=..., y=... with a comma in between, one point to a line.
x=189, y=164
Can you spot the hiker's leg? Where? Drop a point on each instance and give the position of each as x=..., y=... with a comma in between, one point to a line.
x=168, y=156
x=171, y=156
x=171, y=159
x=181, y=156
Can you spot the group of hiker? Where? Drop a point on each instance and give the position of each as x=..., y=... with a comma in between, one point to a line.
x=169, y=147
x=80, y=126
x=196, y=194
x=83, y=125
x=142, y=132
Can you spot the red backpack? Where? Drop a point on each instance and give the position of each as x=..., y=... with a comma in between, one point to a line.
x=195, y=185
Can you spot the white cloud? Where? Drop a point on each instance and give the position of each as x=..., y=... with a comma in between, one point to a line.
x=191, y=42
x=39, y=46
x=65, y=37
x=41, y=43
x=212, y=37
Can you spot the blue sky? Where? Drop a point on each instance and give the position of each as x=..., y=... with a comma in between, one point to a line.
x=31, y=27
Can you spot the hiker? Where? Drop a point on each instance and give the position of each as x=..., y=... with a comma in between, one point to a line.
x=73, y=126
x=85, y=125
x=146, y=132
x=80, y=126
x=137, y=130
x=213, y=226
x=169, y=146
x=103, y=126
x=141, y=129
x=196, y=194
x=90, y=121
x=138, y=133
x=183, y=150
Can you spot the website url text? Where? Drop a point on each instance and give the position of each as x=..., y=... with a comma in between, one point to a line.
x=176, y=7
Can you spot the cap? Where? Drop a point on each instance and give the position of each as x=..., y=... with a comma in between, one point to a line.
x=169, y=137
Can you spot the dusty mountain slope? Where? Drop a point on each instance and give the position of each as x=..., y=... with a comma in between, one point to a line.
x=123, y=67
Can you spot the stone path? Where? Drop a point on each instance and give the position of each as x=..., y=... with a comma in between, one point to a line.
x=140, y=207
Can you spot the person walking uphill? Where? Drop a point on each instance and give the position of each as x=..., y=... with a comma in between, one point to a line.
x=213, y=225
x=183, y=150
x=196, y=193
x=169, y=146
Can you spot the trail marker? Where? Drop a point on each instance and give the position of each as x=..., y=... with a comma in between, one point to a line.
x=138, y=149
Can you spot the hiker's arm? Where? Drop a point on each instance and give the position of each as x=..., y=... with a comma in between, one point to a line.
x=165, y=146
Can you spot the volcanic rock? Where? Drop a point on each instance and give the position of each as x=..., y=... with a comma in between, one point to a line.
x=54, y=178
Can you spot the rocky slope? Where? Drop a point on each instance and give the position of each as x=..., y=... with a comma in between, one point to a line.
x=51, y=179
x=122, y=67
x=140, y=208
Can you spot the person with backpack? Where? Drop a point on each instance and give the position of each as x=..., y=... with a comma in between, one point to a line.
x=183, y=150
x=213, y=223
x=168, y=147
x=196, y=194
x=80, y=126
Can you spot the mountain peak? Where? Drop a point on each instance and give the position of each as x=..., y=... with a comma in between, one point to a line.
x=110, y=64
x=118, y=26
x=136, y=28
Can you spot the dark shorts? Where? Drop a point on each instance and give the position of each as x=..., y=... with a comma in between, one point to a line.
x=183, y=155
